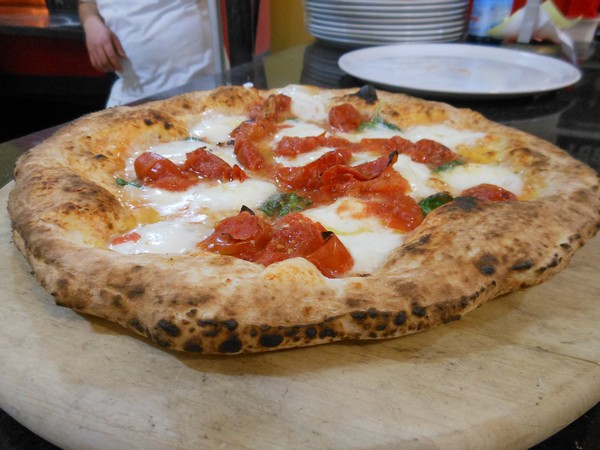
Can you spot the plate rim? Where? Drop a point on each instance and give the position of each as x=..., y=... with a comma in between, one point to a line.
x=572, y=73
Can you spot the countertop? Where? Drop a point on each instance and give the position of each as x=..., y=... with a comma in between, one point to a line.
x=568, y=118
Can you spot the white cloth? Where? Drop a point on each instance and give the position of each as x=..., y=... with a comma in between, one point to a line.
x=167, y=43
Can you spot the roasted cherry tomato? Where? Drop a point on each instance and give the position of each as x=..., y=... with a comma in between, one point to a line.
x=489, y=192
x=332, y=258
x=345, y=117
x=207, y=165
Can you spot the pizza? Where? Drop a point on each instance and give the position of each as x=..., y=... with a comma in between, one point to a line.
x=243, y=220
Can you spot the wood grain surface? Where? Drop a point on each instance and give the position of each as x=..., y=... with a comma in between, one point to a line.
x=508, y=375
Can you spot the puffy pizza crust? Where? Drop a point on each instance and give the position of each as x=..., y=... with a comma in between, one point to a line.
x=64, y=210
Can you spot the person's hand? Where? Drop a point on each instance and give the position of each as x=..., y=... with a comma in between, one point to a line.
x=103, y=45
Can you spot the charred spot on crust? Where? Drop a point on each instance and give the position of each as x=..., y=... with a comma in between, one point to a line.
x=418, y=311
x=522, y=265
x=156, y=118
x=327, y=332
x=231, y=345
x=400, y=318
x=100, y=156
x=135, y=324
x=466, y=203
x=368, y=93
x=486, y=264
x=193, y=347
x=311, y=332
x=359, y=315
x=168, y=327
x=271, y=340
x=230, y=324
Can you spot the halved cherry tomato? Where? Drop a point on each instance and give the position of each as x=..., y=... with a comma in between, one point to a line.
x=162, y=172
x=248, y=154
x=238, y=173
x=294, y=235
x=345, y=117
x=294, y=145
x=242, y=236
x=207, y=165
x=426, y=151
x=489, y=192
x=308, y=177
x=399, y=212
x=276, y=107
x=332, y=258
x=254, y=130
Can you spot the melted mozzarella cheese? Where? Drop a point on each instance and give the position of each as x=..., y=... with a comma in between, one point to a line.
x=198, y=202
x=296, y=128
x=443, y=134
x=302, y=159
x=368, y=241
x=463, y=177
x=215, y=127
x=164, y=237
x=306, y=105
x=378, y=131
x=417, y=176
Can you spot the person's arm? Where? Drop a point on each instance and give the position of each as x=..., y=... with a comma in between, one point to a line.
x=103, y=45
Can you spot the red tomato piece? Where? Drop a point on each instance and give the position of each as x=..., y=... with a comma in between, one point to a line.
x=332, y=258
x=242, y=236
x=373, y=169
x=162, y=172
x=207, y=165
x=254, y=130
x=132, y=236
x=489, y=192
x=345, y=117
x=309, y=177
x=248, y=155
x=276, y=107
x=294, y=145
x=431, y=152
x=294, y=236
x=399, y=212
x=144, y=163
x=238, y=174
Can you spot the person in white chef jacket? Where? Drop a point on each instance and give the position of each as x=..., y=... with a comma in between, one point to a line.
x=152, y=45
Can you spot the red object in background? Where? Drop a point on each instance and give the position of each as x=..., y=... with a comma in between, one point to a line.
x=31, y=55
x=570, y=8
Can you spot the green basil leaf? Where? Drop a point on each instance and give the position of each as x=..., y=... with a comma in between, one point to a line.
x=434, y=201
x=281, y=204
x=122, y=182
x=449, y=165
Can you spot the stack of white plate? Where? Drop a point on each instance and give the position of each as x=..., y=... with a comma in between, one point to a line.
x=356, y=23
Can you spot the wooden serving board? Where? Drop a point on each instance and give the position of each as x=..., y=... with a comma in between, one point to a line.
x=508, y=375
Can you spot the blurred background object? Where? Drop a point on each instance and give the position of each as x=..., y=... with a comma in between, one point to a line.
x=356, y=23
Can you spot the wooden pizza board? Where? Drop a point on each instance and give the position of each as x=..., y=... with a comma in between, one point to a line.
x=507, y=375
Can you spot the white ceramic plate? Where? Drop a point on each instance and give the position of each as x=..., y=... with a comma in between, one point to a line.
x=459, y=70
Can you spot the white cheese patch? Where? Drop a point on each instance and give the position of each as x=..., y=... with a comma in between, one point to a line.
x=199, y=201
x=463, y=177
x=216, y=127
x=297, y=128
x=165, y=237
x=417, y=175
x=378, y=131
x=306, y=105
x=302, y=159
x=366, y=238
x=444, y=134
